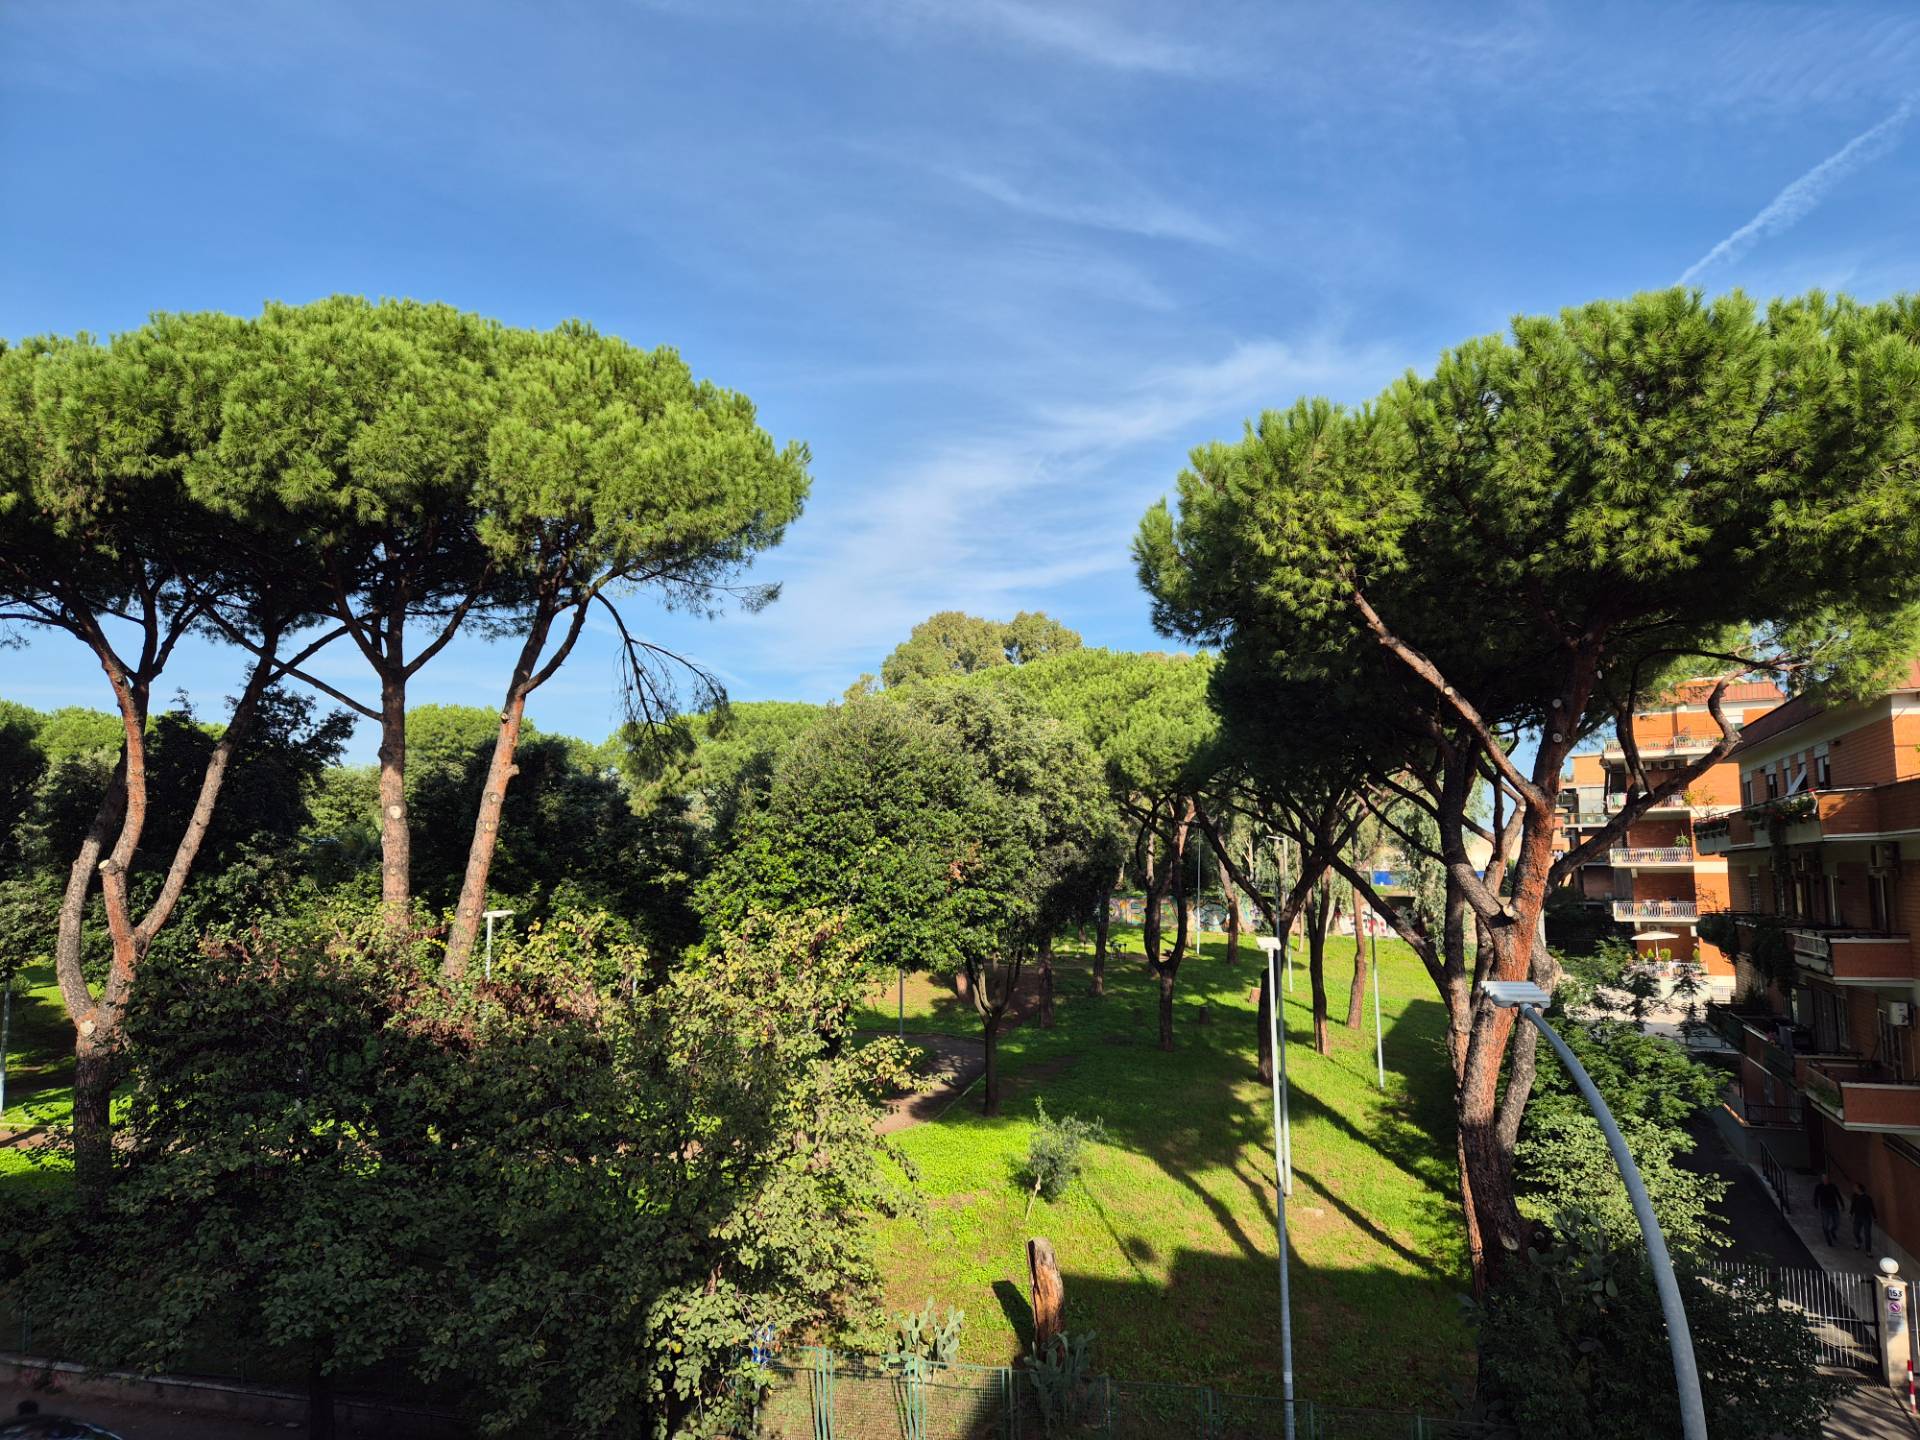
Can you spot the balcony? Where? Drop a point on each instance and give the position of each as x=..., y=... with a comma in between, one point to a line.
x=1683, y=910
x=1762, y=1046
x=1813, y=816
x=1722, y=833
x=1731, y=1025
x=1671, y=805
x=1859, y=1095
x=1860, y=957
x=1651, y=857
x=1664, y=746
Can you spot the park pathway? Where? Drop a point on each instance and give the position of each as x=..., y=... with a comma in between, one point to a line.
x=1764, y=1236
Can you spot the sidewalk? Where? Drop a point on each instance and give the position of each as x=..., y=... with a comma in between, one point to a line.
x=1841, y=1259
x=1763, y=1236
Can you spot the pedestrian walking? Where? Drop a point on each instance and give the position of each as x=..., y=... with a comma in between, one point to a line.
x=1826, y=1199
x=1863, y=1217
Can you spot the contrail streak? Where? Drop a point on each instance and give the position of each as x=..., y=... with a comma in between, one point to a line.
x=1791, y=204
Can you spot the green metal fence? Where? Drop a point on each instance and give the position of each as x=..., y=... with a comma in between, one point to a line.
x=824, y=1395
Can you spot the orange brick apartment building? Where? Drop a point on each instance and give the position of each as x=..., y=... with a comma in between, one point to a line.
x=1656, y=879
x=1824, y=865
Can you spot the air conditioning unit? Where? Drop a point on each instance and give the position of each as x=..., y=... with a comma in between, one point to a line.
x=1899, y=1013
x=1883, y=856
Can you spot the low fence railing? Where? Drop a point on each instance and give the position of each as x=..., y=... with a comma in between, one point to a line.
x=1839, y=1309
x=825, y=1395
x=1776, y=1177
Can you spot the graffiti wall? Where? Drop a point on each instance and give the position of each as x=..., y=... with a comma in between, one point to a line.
x=1132, y=910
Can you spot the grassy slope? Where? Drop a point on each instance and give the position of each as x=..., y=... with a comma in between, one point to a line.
x=1168, y=1248
x=39, y=1065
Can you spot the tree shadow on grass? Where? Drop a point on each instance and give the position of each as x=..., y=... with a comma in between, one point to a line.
x=1346, y=1322
x=1018, y=1312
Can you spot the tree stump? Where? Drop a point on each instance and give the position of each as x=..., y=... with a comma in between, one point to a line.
x=1049, y=1293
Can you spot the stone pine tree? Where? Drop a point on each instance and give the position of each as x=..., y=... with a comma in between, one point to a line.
x=1528, y=540
x=610, y=471
x=358, y=431
x=100, y=542
x=955, y=643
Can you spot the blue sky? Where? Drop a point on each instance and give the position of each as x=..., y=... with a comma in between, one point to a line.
x=1001, y=263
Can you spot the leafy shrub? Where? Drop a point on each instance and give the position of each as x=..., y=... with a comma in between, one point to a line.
x=1055, y=1153
x=1062, y=1380
x=1573, y=1345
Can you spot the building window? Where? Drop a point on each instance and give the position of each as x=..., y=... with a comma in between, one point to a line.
x=1753, y=890
x=1822, y=769
x=1829, y=1022
x=1773, y=783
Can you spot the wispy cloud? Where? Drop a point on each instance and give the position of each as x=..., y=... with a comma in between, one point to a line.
x=1124, y=207
x=1792, y=204
x=1080, y=34
x=1035, y=513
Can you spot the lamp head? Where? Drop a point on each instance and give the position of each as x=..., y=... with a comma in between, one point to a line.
x=1508, y=994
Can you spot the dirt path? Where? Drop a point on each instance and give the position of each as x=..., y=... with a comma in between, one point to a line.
x=954, y=1062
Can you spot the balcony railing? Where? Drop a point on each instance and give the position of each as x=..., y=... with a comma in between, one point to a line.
x=1860, y=1095
x=1616, y=802
x=1861, y=955
x=1682, y=743
x=1650, y=855
x=1655, y=910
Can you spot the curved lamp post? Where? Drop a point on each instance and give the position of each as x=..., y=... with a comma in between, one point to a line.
x=1529, y=999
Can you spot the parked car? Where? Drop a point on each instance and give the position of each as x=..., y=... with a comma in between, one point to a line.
x=30, y=1424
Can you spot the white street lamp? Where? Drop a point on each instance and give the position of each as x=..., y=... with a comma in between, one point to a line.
x=491, y=916
x=1529, y=999
x=1283, y=1178
x=1379, y=1039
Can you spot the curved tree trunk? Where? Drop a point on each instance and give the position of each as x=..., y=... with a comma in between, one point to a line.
x=990, y=1031
x=469, y=911
x=1265, y=1061
x=1357, y=992
x=396, y=840
x=1168, y=970
x=1232, y=898
x=1101, y=925
x=1319, y=916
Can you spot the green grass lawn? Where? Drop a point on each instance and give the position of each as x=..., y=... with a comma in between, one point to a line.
x=1168, y=1248
x=39, y=1052
x=39, y=1074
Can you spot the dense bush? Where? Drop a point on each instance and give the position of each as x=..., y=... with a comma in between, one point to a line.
x=1573, y=1345
x=559, y=1193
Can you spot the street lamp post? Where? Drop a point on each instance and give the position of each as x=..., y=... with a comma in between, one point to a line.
x=1379, y=1040
x=491, y=916
x=1283, y=1181
x=1528, y=998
